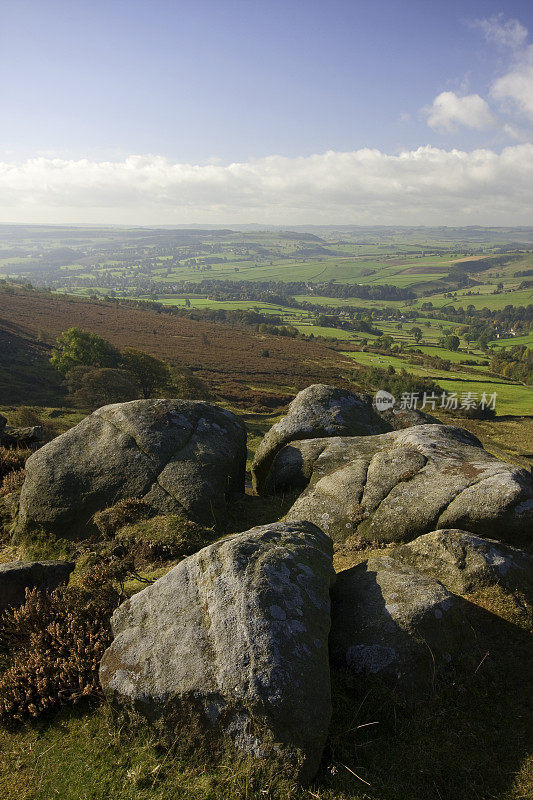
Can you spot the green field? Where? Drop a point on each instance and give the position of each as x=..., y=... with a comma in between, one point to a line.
x=524, y=297
x=233, y=305
x=159, y=265
x=512, y=398
x=527, y=340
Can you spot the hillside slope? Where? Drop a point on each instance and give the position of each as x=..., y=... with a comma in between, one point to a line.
x=229, y=359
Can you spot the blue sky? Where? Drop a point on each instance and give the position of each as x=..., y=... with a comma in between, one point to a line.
x=134, y=112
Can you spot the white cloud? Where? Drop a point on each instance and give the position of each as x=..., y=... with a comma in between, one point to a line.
x=515, y=133
x=448, y=111
x=515, y=88
x=512, y=91
x=423, y=186
x=504, y=33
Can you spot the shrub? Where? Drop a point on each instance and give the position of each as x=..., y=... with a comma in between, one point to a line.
x=476, y=413
x=162, y=538
x=78, y=347
x=12, y=482
x=187, y=386
x=24, y=417
x=372, y=378
x=54, y=642
x=149, y=372
x=93, y=387
x=125, y=512
x=12, y=459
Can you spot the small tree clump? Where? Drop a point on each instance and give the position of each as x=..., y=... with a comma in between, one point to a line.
x=93, y=387
x=149, y=372
x=77, y=347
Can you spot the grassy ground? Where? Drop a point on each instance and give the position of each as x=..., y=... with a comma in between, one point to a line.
x=287, y=264
x=527, y=340
x=486, y=299
x=510, y=439
x=232, y=305
x=467, y=740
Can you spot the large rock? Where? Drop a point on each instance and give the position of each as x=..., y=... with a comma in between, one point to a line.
x=17, y=576
x=234, y=642
x=399, y=485
x=178, y=455
x=389, y=621
x=464, y=562
x=322, y=410
x=399, y=418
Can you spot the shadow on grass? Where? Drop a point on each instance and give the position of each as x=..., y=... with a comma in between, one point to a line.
x=469, y=741
x=248, y=510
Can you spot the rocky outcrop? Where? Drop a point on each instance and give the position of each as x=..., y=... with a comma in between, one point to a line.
x=17, y=576
x=393, y=623
x=399, y=418
x=233, y=642
x=464, y=562
x=320, y=411
x=19, y=437
x=177, y=455
x=400, y=485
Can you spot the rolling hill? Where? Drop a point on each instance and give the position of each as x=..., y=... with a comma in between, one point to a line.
x=231, y=360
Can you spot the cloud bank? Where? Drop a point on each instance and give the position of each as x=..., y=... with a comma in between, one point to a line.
x=423, y=186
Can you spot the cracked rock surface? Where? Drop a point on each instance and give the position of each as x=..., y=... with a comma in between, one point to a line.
x=233, y=642
x=178, y=455
x=400, y=485
x=321, y=410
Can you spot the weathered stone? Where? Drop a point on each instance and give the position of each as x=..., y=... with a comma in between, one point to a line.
x=391, y=622
x=399, y=485
x=17, y=576
x=464, y=562
x=20, y=437
x=399, y=418
x=235, y=638
x=322, y=410
x=177, y=455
